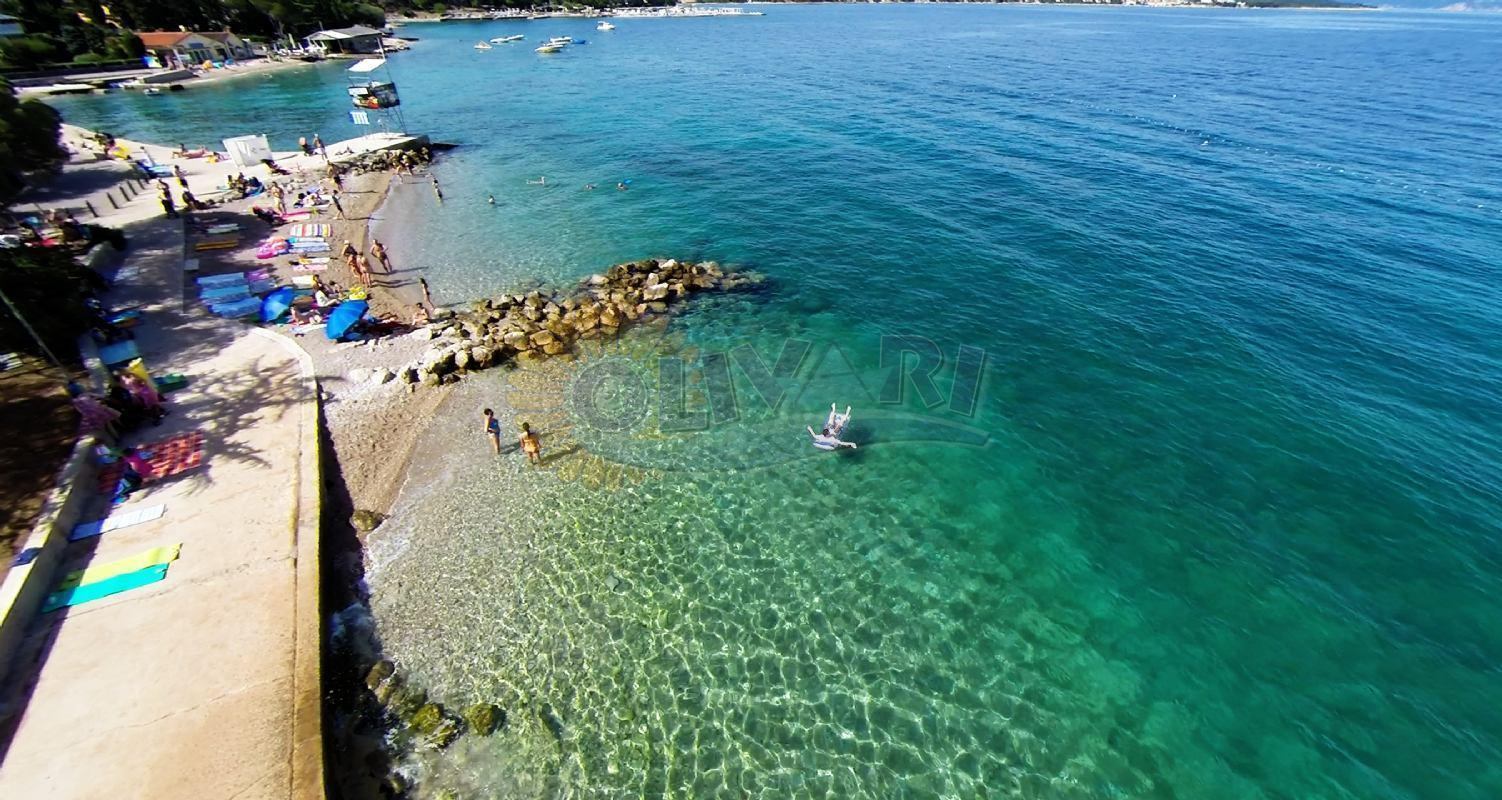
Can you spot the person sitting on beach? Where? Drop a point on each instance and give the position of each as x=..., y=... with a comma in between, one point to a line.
x=420, y=316
x=146, y=397
x=310, y=317
x=135, y=470
x=493, y=431
x=530, y=444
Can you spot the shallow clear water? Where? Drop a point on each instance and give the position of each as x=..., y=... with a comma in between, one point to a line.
x=1220, y=522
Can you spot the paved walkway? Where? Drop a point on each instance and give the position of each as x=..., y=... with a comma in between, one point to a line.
x=204, y=685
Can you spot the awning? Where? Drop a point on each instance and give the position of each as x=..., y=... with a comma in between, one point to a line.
x=368, y=65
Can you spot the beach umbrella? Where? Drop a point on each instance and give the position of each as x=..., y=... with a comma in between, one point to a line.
x=277, y=303
x=344, y=317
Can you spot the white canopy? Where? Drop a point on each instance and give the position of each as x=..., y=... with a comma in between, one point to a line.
x=368, y=65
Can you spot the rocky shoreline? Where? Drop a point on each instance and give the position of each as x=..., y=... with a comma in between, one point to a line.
x=537, y=325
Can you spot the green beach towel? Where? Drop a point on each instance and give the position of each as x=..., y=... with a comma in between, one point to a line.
x=151, y=558
x=94, y=591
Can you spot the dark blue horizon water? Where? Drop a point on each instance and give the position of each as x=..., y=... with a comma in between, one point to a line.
x=1222, y=524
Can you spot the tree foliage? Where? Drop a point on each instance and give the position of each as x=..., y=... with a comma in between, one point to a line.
x=30, y=133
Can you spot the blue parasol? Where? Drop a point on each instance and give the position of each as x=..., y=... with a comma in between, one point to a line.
x=344, y=317
x=277, y=303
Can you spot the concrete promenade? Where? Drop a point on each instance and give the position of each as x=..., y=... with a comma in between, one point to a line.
x=205, y=684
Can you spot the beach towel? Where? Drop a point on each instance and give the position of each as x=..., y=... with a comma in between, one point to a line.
x=310, y=230
x=257, y=275
x=210, y=281
x=116, y=521
x=240, y=308
x=298, y=214
x=105, y=588
x=224, y=294
x=303, y=281
x=156, y=556
x=118, y=353
x=223, y=227
x=262, y=286
x=215, y=244
x=168, y=457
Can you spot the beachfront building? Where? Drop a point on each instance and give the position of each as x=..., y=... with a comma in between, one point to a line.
x=354, y=40
x=177, y=49
x=9, y=26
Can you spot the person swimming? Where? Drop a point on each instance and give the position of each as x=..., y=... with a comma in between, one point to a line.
x=828, y=438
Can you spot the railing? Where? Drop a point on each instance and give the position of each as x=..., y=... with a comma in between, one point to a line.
x=57, y=70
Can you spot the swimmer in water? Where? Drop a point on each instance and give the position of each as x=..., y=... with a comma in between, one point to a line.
x=828, y=437
x=589, y=187
x=620, y=187
x=492, y=199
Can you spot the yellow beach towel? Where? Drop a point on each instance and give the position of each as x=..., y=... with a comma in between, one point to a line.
x=153, y=557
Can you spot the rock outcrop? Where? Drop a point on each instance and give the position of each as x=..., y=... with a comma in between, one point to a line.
x=541, y=324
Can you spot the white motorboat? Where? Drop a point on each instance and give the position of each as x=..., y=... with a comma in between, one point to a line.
x=561, y=41
x=549, y=48
x=481, y=46
x=507, y=39
x=604, y=26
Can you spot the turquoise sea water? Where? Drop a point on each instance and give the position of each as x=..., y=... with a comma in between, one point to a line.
x=1221, y=520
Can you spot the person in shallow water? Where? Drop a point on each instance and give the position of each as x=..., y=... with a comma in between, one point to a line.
x=530, y=444
x=492, y=430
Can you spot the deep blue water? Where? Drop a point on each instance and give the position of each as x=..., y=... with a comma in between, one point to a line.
x=1221, y=523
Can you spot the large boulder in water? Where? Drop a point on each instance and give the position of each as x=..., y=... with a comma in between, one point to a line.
x=484, y=718
x=365, y=520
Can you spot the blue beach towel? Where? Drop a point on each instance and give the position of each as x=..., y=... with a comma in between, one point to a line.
x=104, y=588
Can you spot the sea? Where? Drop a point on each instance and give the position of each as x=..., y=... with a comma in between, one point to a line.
x=1171, y=342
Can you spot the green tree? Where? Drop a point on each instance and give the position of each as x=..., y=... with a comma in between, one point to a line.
x=30, y=133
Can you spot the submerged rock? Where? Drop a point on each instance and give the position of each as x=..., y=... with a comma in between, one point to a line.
x=405, y=702
x=437, y=727
x=484, y=718
x=378, y=674
x=366, y=521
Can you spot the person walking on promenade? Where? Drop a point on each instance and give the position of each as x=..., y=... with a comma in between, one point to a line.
x=379, y=251
x=493, y=431
x=338, y=208
x=348, y=253
x=168, y=206
x=362, y=269
x=530, y=444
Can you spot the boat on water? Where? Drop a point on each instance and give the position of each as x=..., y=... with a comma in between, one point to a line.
x=604, y=26
x=507, y=39
x=549, y=48
x=482, y=46
x=561, y=41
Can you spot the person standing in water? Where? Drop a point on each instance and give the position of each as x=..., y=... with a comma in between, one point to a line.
x=379, y=251
x=530, y=444
x=493, y=431
x=426, y=296
x=437, y=192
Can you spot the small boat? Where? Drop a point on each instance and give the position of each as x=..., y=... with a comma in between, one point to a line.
x=152, y=90
x=481, y=46
x=561, y=40
x=507, y=39
x=549, y=48
x=604, y=26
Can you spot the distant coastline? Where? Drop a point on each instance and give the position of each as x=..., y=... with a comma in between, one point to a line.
x=469, y=14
